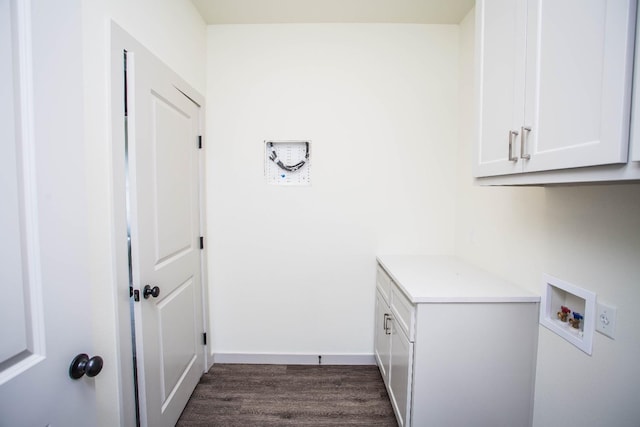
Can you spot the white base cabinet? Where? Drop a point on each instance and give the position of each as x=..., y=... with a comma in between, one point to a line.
x=454, y=347
x=393, y=350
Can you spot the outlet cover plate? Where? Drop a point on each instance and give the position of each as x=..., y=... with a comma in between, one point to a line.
x=606, y=319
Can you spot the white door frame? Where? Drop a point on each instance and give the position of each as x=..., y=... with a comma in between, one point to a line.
x=121, y=41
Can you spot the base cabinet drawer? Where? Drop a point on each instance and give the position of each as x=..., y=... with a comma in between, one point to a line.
x=403, y=312
x=383, y=284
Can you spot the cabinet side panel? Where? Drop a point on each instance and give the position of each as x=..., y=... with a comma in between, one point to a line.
x=480, y=357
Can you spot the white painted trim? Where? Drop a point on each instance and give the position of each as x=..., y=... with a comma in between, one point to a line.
x=293, y=359
x=118, y=42
x=204, y=278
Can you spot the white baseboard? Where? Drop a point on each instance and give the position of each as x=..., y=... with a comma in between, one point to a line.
x=294, y=359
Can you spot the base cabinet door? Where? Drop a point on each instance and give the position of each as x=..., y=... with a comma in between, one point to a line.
x=400, y=373
x=500, y=80
x=382, y=339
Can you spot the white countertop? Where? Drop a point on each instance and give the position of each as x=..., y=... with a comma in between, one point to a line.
x=440, y=278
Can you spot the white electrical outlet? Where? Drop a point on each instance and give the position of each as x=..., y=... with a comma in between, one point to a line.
x=606, y=319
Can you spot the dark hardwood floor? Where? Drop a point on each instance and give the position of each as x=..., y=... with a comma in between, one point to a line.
x=289, y=395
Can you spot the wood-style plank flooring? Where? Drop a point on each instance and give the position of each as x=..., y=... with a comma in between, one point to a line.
x=289, y=395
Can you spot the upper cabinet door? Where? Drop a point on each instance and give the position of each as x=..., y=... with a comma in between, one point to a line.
x=500, y=80
x=578, y=83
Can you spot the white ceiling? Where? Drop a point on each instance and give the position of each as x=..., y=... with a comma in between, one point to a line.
x=330, y=11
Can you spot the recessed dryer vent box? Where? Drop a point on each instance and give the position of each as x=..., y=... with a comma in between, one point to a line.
x=559, y=296
x=287, y=162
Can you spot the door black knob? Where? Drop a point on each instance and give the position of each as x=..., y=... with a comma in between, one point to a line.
x=149, y=291
x=82, y=365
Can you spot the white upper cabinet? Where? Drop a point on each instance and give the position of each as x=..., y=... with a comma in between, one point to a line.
x=554, y=84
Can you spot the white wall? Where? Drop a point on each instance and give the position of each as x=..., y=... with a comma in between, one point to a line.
x=291, y=270
x=587, y=235
x=380, y=104
x=175, y=32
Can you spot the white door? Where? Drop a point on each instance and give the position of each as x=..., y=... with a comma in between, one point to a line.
x=579, y=66
x=500, y=58
x=45, y=318
x=164, y=176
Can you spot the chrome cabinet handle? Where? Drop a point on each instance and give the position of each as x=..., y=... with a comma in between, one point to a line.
x=524, y=136
x=512, y=134
x=387, y=317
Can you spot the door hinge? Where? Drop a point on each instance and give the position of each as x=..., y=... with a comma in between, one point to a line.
x=201, y=242
x=204, y=338
x=199, y=141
